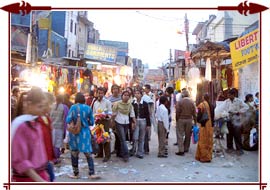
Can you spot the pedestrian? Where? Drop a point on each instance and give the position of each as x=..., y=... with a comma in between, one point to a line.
x=162, y=116
x=103, y=105
x=91, y=99
x=249, y=124
x=114, y=98
x=28, y=154
x=205, y=143
x=178, y=98
x=121, y=112
x=21, y=104
x=257, y=99
x=81, y=142
x=14, y=101
x=170, y=106
x=58, y=117
x=150, y=98
x=219, y=134
x=130, y=130
x=142, y=124
x=235, y=108
x=47, y=129
x=185, y=113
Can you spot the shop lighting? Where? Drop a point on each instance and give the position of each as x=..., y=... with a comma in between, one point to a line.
x=61, y=90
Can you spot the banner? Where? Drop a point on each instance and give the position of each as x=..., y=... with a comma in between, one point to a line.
x=244, y=50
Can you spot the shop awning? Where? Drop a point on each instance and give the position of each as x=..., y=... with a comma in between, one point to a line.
x=212, y=50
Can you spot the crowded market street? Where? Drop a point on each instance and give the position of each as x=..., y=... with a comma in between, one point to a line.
x=228, y=168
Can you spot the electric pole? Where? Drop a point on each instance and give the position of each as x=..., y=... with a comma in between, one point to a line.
x=170, y=61
x=187, y=30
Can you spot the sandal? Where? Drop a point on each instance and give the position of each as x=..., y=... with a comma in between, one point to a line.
x=74, y=176
x=94, y=176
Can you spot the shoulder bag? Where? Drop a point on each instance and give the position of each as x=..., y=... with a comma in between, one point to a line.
x=202, y=117
x=75, y=128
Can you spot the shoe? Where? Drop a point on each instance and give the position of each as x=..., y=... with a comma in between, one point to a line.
x=207, y=161
x=147, y=152
x=74, y=176
x=229, y=150
x=125, y=159
x=175, y=144
x=57, y=163
x=139, y=156
x=186, y=151
x=94, y=176
x=180, y=153
x=105, y=159
x=162, y=156
x=239, y=152
x=98, y=156
x=62, y=150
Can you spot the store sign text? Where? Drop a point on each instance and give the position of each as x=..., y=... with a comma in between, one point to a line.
x=244, y=50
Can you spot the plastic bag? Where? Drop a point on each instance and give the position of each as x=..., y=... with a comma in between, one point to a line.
x=195, y=134
x=220, y=110
x=224, y=129
x=253, y=137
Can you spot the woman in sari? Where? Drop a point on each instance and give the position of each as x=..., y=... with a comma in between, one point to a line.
x=205, y=143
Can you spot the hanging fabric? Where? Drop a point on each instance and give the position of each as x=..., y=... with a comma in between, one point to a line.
x=208, y=71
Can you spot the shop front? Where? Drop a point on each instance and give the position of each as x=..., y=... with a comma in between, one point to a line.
x=245, y=61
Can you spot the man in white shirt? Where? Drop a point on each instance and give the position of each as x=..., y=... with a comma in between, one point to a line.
x=162, y=116
x=235, y=107
x=149, y=97
x=103, y=105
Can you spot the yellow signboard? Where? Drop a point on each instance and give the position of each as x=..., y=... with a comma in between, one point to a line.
x=244, y=50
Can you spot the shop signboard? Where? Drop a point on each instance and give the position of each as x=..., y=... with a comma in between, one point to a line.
x=244, y=50
x=122, y=47
x=19, y=36
x=100, y=53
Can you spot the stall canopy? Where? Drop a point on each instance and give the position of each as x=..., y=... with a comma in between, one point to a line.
x=212, y=50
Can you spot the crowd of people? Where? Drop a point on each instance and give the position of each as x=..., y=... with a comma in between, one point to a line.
x=40, y=122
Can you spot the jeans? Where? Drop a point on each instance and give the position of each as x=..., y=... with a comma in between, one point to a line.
x=50, y=171
x=138, y=137
x=121, y=130
x=75, y=162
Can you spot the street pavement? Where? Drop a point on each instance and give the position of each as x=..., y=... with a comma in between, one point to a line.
x=222, y=168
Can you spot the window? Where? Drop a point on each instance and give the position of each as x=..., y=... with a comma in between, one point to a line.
x=69, y=53
x=75, y=29
x=71, y=26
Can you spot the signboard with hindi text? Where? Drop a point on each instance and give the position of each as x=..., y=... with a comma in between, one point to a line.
x=244, y=50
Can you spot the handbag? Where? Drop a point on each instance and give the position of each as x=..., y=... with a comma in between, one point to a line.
x=75, y=128
x=202, y=117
